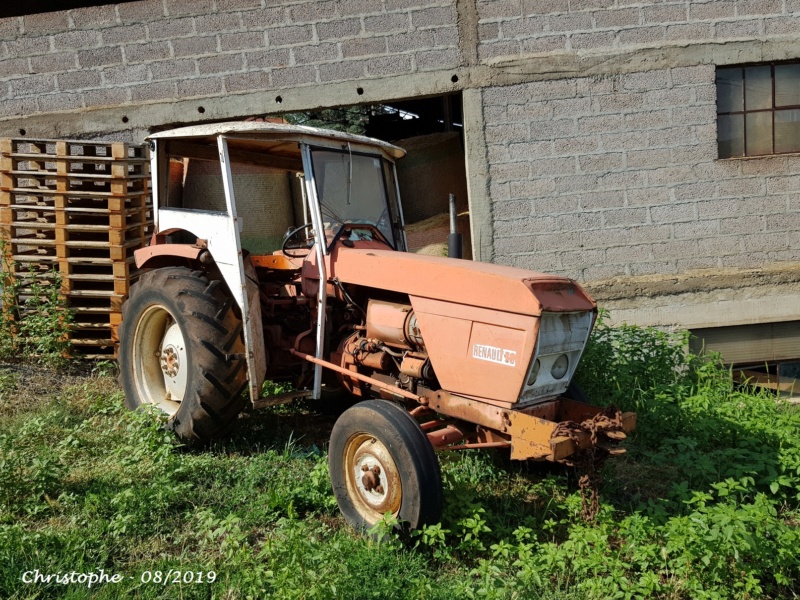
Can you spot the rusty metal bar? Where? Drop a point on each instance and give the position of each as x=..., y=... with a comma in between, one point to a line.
x=384, y=386
x=479, y=445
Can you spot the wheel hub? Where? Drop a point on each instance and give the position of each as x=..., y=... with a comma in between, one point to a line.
x=374, y=479
x=172, y=360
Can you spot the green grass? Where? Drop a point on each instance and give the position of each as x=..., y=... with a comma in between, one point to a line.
x=706, y=503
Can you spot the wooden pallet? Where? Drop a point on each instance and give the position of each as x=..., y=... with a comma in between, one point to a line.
x=81, y=209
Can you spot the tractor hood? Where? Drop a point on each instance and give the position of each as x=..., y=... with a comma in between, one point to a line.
x=465, y=282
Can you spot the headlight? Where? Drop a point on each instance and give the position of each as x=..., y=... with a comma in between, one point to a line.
x=534, y=372
x=560, y=367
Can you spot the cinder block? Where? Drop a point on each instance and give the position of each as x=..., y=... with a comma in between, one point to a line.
x=741, y=28
x=498, y=9
x=362, y=47
x=147, y=52
x=605, y=238
x=226, y=5
x=285, y=36
x=599, y=39
x=649, y=196
x=342, y=71
x=77, y=80
x=257, y=20
x=270, y=59
x=598, y=200
x=526, y=151
x=10, y=28
x=555, y=205
x=652, y=119
x=578, y=221
x=437, y=59
x=676, y=249
x=641, y=35
x=101, y=57
x=638, y=234
x=310, y=12
x=17, y=107
x=544, y=7
x=46, y=22
x=209, y=86
x=152, y=91
x=106, y=96
x=578, y=258
x=242, y=41
x=674, y=213
x=170, y=28
x=93, y=16
x=576, y=145
x=343, y=28
x=19, y=66
x=488, y=31
x=29, y=46
x=410, y=41
x=625, y=216
x=522, y=27
x=781, y=25
x=601, y=163
x=644, y=159
x=621, y=180
x=513, y=132
x=292, y=76
x=446, y=36
x=671, y=13
x=389, y=65
x=778, y=185
x=433, y=17
x=700, y=262
x=533, y=188
x=125, y=74
x=304, y=55
x=544, y=44
x=599, y=124
x=704, y=11
x=722, y=207
x=123, y=35
x=189, y=7
x=599, y=272
x=76, y=40
x=170, y=69
x=751, y=223
x=629, y=140
x=575, y=183
x=499, y=192
x=672, y=175
x=511, y=210
x=194, y=46
x=495, y=49
x=617, y=18
x=571, y=22
x=689, y=31
x=630, y=253
x=763, y=241
x=389, y=23
x=509, y=246
x=745, y=186
x=548, y=130
x=33, y=84
x=54, y=102
x=222, y=63
x=253, y=80
x=696, y=229
x=218, y=23
x=515, y=171
x=618, y=102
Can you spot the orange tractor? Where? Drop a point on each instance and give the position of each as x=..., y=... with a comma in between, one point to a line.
x=280, y=254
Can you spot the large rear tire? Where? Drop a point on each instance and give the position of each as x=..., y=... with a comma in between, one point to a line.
x=181, y=350
x=381, y=462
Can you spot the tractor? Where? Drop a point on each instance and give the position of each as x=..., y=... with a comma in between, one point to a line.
x=279, y=253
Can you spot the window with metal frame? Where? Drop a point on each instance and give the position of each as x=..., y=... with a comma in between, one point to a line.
x=758, y=109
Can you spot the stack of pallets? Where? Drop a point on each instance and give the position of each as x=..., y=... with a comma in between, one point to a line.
x=81, y=209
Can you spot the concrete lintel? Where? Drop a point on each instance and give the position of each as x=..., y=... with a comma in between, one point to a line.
x=703, y=298
x=91, y=122
x=563, y=64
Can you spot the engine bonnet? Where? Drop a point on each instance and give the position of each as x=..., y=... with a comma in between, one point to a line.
x=490, y=286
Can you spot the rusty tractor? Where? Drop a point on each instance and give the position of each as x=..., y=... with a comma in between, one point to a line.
x=280, y=253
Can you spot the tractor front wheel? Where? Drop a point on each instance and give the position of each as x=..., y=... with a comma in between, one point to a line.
x=381, y=462
x=181, y=350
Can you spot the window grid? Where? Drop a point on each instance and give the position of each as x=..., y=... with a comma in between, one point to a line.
x=773, y=109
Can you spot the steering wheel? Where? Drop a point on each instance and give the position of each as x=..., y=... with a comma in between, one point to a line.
x=288, y=244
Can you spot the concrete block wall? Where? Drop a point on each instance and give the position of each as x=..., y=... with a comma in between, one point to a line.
x=156, y=50
x=598, y=177
x=513, y=27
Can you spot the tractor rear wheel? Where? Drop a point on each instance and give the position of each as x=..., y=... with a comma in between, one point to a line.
x=381, y=462
x=181, y=350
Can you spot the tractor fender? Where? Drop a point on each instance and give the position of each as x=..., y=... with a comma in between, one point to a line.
x=158, y=255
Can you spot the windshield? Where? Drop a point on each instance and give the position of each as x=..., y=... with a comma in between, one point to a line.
x=351, y=189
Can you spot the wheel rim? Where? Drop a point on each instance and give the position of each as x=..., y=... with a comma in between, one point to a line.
x=160, y=362
x=373, y=481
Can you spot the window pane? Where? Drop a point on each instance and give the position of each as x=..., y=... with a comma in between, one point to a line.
x=730, y=135
x=787, y=131
x=758, y=88
x=787, y=85
x=729, y=90
x=758, y=127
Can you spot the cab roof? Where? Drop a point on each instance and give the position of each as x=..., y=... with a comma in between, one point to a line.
x=253, y=131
